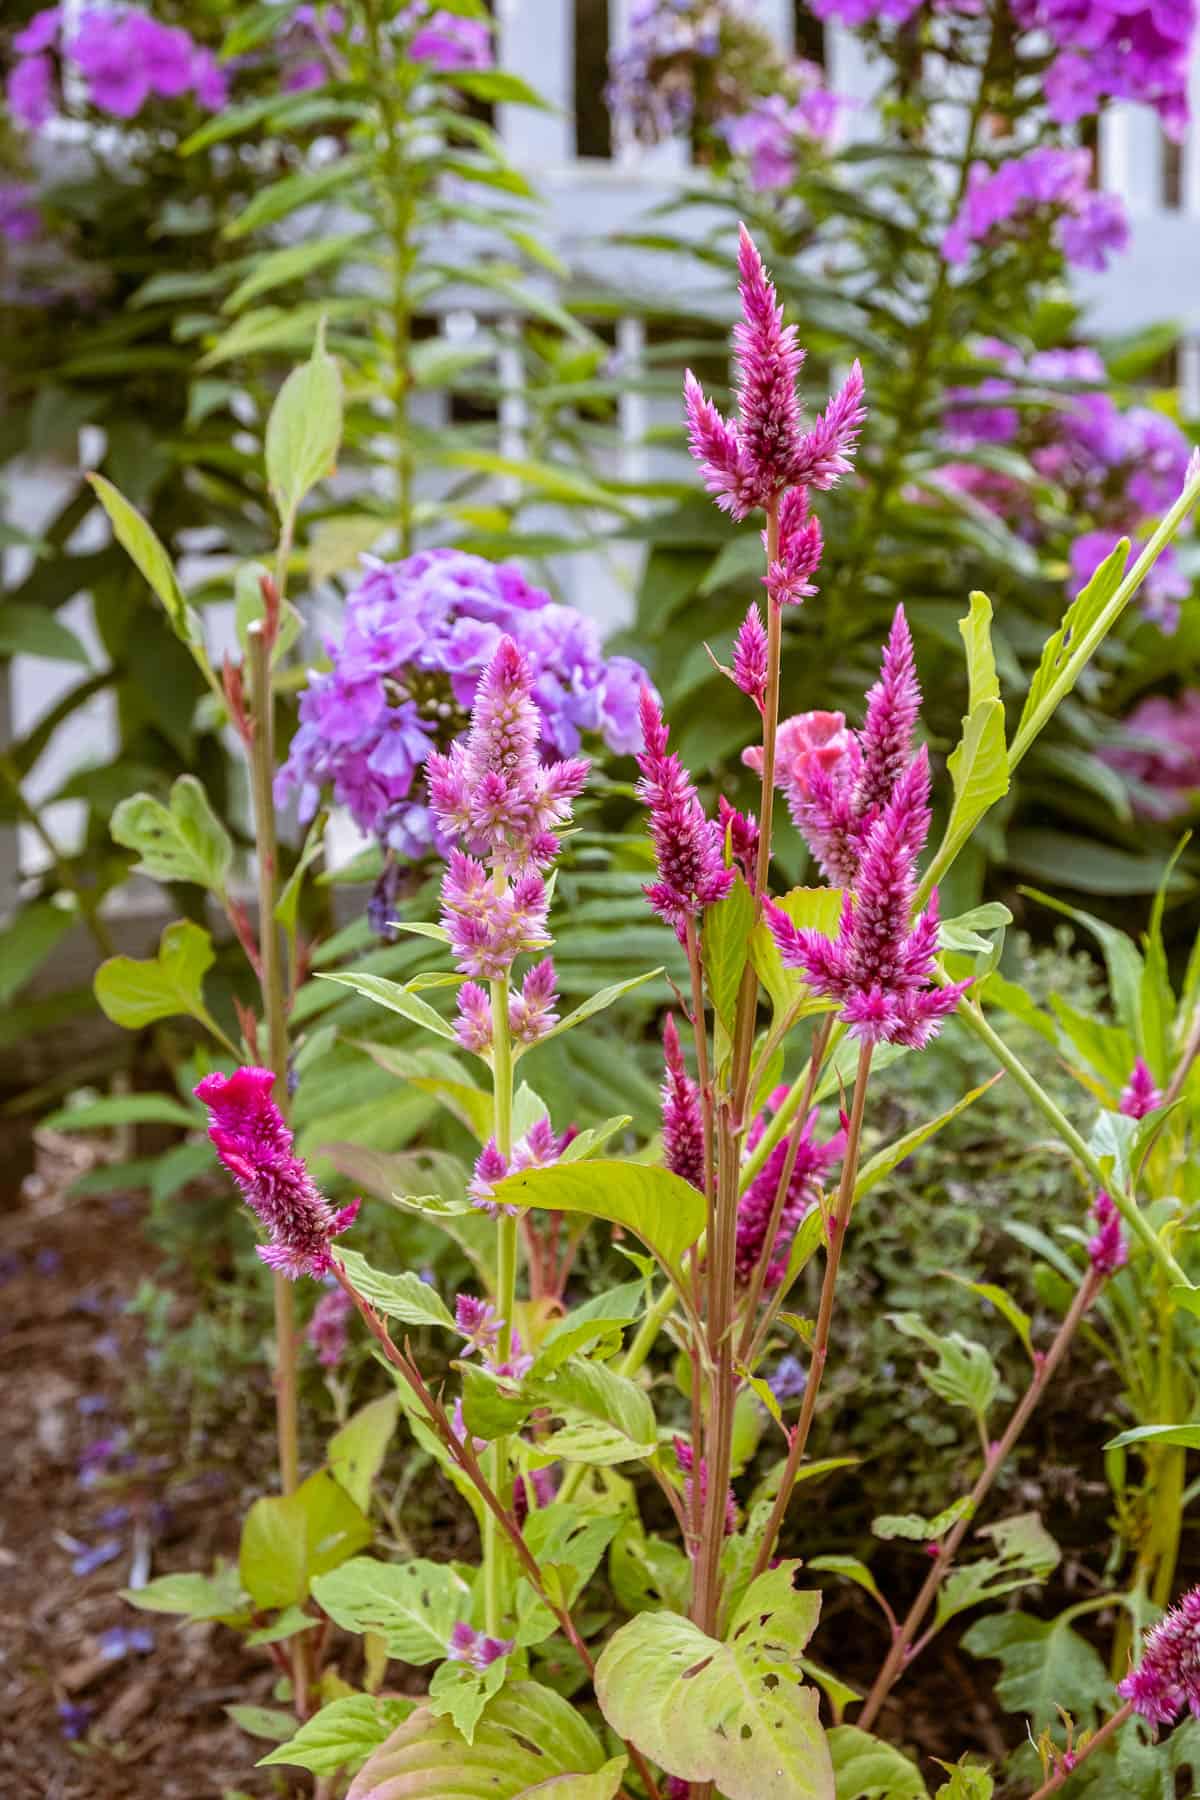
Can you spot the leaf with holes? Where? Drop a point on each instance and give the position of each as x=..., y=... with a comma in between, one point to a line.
x=735, y=1713
x=568, y=1544
x=866, y=1768
x=607, y=1418
x=343, y=1734
x=529, y=1741
x=414, y=1606
x=921, y=1530
x=666, y=1212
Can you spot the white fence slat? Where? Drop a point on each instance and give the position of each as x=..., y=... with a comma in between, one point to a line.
x=536, y=40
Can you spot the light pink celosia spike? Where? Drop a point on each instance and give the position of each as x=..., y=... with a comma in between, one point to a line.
x=788, y=579
x=473, y=1027
x=530, y=1013
x=1107, y=1250
x=893, y=704
x=687, y=846
x=1141, y=1095
x=713, y=442
x=769, y=362
x=826, y=453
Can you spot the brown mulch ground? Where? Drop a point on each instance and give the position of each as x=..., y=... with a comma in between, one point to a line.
x=90, y=1716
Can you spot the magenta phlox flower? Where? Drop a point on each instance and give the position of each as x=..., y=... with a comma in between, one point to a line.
x=812, y=1164
x=682, y=1117
x=1107, y=1249
x=687, y=845
x=1160, y=753
x=1140, y=1095
x=448, y=41
x=771, y=135
x=31, y=91
x=473, y=1647
x=20, y=216
x=1166, y=1682
x=1047, y=185
x=750, y=461
x=253, y=1141
x=326, y=1332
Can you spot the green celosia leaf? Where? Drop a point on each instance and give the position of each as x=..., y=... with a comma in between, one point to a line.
x=135, y=991
x=664, y=1211
x=218, y=1596
x=964, y=1374
x=597, y=1003
x=884, y=1161
x=607, y=1418
x=414, y=1606
x=288, y=1539
x=343, y=1734
x=356, y=1452
x=1025, y=1552
x=735, y=1713
x=1185, y=1437
x=304, y=429
x=967, y=1782
x=405, y=1296
x=529, y=1741
x=184, y=841
x=976, y=631
x=459, y=1692
x=919, y=1529
x=397, y=999
x=1052, y=680
x=1046, y=1665
x=818, y=909
x=865, y=1768
x=725, y=945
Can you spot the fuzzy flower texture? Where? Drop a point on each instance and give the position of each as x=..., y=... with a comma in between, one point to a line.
x=1166, y=1682
x=417, y=636
x=252, y=1139
x=861, y=800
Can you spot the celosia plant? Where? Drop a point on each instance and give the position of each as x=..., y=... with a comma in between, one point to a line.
x=540, y=1413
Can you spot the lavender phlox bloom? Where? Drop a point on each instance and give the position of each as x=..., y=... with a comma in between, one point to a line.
x=770, y=136
x=789, y=1380
x=253, y=1141
x=682, y=1118
x=449, y=42
x=1141, y=1095
x=1166, y=1681
x=20, y=215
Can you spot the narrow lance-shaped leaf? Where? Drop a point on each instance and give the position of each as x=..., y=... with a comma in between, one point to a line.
x=139, y=539
x=304, y=429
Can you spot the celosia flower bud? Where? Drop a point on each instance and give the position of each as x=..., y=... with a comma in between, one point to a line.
x=788, y=577
x=739, y=833
x=1140, y=1096
x=750, y=657
x=685, y=1459
x=491, y=1166
x=532, y=1491
x=531, y=1012
x=892, y=707
x=682, y=1120
x=813, y=1162
x=1107, y=1250
x=252, y=1139
x=473, y=1027
x=692, y=872
x=1167, y=1680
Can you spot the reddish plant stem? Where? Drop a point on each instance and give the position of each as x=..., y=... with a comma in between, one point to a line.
x=750, y=1314
x=462, y=1450
x=838, y=1225
x=900, y=1655
x=1108, y=1730
x=700, y=1034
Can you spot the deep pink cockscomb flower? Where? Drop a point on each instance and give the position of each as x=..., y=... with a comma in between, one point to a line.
x=687, y=845
x=252, y=1139
x=817, y=765
x=1166, y=1682
x=750, y=462
x=812, y=1164
x=682, y=1119
x=1140, y=1094
x=880, y=965
x=1107, y=1249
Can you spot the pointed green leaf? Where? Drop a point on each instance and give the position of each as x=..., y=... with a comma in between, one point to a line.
x=405, y=1296
x=343, y=1734
x=725, y=945
x=304, y=429
x=184, y=841
x=976, y=631
x=665, y=1212
x=413, y=1606
x=1185, y=1437
x=1059, y=668
x=134, y=992
x=597, y=1003
x=356, y=1452
x=979, y=770
x=397, y=999
x=892, y=1155
x=138, y=538
x=288, y=1539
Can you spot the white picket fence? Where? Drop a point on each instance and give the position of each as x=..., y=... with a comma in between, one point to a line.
x=588, y=200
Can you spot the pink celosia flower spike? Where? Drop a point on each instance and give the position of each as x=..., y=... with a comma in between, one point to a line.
x=1140, y=1096
x=682, y=1120
x=1167, y=1680
x=531, y=1012
x=813, y=1162
x=788, y=577
x=880, y=966
x=892, y=707
x=826, y=452
x=252, y=1139
x=750, y=657
x=687, y=846
x=1107, y=1250
x=326, y=1330
x=686, y=1460
x=769, y=361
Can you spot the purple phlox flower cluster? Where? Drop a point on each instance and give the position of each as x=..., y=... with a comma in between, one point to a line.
x=687, y=845
x=253, y=1141
x=870, y=12
x=789, y=1379
x=749, y=461
x=74, y=1717
x=469, y=1646
x=1160, y=754
x=1167, y=1679
x=417, y=636
x=478, y=1322
x=1047, y=184
x=88, y=1558
x=651, y=88
x=775, y=130
x=750, y=656
x=813, y=1162
x=327, y=1333
x=682, y=1119
x=1115, y=50
x=1140, y=1095
x=879, y=968
x=20, y=216
x=307, y=49
x=685, y=1459
x=447, y=41
x=1116, y=468
x=125, y=57
x=1107, y=1249
x=540, y=1147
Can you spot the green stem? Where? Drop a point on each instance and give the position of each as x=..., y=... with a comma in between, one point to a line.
x=506, y=1296
x=973, y=1019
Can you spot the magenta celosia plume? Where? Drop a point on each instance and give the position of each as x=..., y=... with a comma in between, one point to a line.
x=750, y=657
x=687, y=845
x=682, y=1119
x=252, y=1139
x=686, y=1460
x=812, y=1164
x=749, y=462
x=1107, y=1249
x=1166, y=1682
x=326, y=1332
x=1140, y=1095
